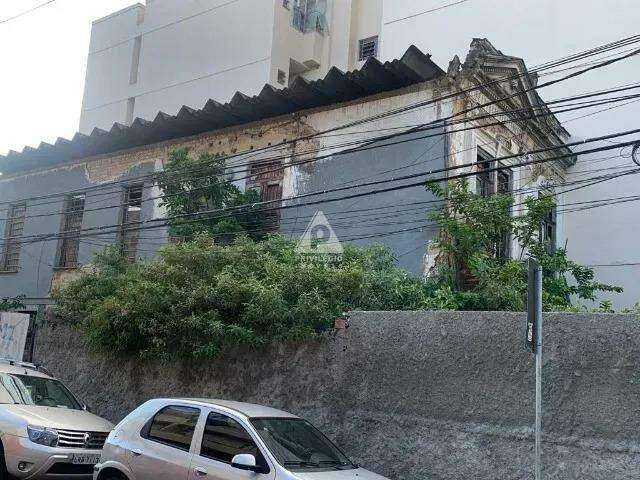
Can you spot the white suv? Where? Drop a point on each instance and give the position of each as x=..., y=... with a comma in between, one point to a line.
x=189, y=439
x=45, y=432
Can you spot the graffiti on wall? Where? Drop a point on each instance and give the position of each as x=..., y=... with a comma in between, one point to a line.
x=13, y=334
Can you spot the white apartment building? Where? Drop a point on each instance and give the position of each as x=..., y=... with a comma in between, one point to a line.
x=169, y=53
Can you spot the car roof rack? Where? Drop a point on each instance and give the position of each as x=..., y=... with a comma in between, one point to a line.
x=29, y=365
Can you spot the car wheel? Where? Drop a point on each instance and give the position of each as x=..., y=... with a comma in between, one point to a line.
x=114, y=476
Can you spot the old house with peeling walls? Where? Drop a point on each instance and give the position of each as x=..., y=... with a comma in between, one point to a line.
x=357, y=146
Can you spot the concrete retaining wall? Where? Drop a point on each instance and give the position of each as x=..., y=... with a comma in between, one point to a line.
x=415, y=395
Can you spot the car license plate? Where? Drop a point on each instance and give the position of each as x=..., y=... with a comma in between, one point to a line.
x=85, y=458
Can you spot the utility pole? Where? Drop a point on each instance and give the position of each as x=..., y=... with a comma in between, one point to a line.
x=538, y=277
x=534, y=342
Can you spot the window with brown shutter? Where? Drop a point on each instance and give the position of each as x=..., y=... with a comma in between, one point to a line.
x=70, y=232
x=13, y=234
x=267, y=178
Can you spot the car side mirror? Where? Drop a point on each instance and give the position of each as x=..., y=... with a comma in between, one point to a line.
x=246, y=461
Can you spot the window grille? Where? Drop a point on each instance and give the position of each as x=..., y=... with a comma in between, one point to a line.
x=13, y=234
x=71, y=226
x=368, y=47
x=484, y=177
x=549, y=231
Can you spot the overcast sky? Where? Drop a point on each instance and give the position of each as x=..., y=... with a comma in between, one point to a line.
x=43, y=60
x=535, y=30
x=43, y=54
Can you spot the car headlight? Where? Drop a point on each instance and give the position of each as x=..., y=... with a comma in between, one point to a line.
x=43, y=436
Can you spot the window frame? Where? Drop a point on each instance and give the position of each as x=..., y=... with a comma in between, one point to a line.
x=505, y=253
x=316, y=429
x=256, y=440
x=281, y=77
x=12, y=241
x=265, y=177
x=506, y=171
x=145, y=432
x=484, y=162
x=69, y=235
x=130, y=254
x=550, y=221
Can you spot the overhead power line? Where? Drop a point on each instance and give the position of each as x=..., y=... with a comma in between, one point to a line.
x=377, y=191
x=391, y=112
x=227, y=172
x=103, y=207
x=242, y=209
x=626, y=264
x=422, y=127
x=26, y=12
x=97, y=240
x=419, y=14
x=346, y=219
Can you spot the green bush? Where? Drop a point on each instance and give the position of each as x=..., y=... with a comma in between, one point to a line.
x=197, y=297
x=471, y=230
x=9, y=304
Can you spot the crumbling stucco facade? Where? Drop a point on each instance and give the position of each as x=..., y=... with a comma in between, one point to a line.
x=347, y=145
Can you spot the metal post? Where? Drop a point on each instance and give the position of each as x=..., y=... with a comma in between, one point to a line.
x=538, y=340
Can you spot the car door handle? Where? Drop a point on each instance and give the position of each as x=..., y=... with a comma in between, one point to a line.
x=200, y=472
x=136, y=452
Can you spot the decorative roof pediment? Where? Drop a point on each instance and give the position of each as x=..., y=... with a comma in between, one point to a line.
x=491, y=66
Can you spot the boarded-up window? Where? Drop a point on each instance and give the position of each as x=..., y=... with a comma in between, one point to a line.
x=70, y=232
x=131, y=218
x=12, y=237
x=267, y=178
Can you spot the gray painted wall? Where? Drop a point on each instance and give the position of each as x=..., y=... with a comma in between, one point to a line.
x=416, y=395
x=360, y=220
x=374, y=218
x=38, y=259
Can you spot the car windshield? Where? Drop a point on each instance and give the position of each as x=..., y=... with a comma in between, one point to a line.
x=33, y=390
x=298, y=445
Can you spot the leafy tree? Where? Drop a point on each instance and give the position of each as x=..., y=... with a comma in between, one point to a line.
x=198, y=297
x=199, y=184
x=471, y=230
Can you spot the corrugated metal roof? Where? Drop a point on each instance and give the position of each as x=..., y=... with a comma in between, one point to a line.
x=337, y=86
